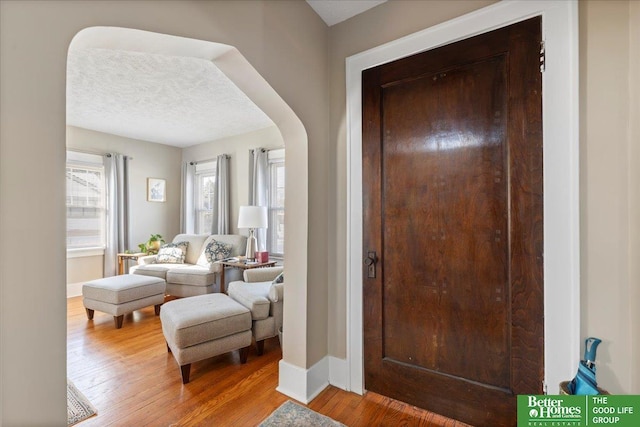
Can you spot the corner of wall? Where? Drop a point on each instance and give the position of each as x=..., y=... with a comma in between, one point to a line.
x=339, y=373
x=301, y=384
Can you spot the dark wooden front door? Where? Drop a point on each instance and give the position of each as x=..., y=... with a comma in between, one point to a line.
x=452, y=172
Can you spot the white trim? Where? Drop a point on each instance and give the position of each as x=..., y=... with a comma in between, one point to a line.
x=561, y=171
x=74, y=289
x=276, y=154
x=204, y=168
x=303, y=384
x=81, y=158
x=339, y=373
x=85, y=252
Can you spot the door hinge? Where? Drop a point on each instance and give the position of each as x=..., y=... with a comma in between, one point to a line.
x=544, y=387
x=542, y=56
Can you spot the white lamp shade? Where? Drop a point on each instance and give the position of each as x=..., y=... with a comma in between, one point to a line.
x=253, y=217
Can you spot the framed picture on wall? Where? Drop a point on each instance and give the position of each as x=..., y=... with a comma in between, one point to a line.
x=156, y=190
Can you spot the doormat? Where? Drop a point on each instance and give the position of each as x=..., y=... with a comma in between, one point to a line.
x=293, y=415
x=78, y=406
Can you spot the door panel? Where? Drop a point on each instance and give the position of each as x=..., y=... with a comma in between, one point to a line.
x=452, y=163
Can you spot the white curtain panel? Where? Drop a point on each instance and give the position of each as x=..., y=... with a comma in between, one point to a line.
x=187, y=202
x=117, y=212
x=222, y=201
x=259, y=187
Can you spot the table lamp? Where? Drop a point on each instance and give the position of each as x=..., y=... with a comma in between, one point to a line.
x=252, y=217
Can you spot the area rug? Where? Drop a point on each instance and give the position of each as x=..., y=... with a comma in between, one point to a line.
x=290, y=414
x=78, y=407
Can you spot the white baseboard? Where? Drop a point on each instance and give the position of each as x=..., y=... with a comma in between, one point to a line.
x=302, y=384
x=74, y=289
x=339, y=373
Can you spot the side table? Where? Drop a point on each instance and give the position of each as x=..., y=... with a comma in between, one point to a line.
x=242, y=266
x=125, y=256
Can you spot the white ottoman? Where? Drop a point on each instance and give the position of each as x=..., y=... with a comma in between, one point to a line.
x=119, y=295
x=200, y=327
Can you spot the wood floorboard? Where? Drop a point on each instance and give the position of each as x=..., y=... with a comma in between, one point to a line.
x=131, y=379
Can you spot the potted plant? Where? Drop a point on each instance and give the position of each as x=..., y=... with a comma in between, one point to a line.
x=152, y=245
x=155, y=241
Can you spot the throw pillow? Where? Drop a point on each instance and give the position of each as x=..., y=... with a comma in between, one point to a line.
x=172, y=253
x=279, y=278
x=217, y=251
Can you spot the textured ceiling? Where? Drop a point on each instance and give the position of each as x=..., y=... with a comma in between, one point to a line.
x=173, y=100
x=118, y=82
x=335, y=11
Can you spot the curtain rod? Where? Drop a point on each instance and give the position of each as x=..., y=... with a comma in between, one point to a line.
x=97, y=153
x=195, y=162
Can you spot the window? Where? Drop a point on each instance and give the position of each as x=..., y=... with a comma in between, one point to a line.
x=205, y=192
x=85, y=201
x=275, y=232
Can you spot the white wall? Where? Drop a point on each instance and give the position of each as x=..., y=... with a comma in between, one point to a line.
x=81, y=269
x=286, y=43
x=237, y=147
x=610, y=211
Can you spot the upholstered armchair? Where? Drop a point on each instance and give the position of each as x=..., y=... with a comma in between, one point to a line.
x=265, y=298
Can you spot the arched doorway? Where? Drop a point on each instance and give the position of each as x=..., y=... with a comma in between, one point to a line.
x=236, y=68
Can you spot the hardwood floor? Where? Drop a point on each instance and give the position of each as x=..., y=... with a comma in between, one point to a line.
x=131, y=379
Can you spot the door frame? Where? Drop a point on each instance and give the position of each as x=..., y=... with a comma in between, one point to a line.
x=560, y=108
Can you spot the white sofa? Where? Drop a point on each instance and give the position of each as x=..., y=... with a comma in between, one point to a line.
x=265, y=300
x=196, y=276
